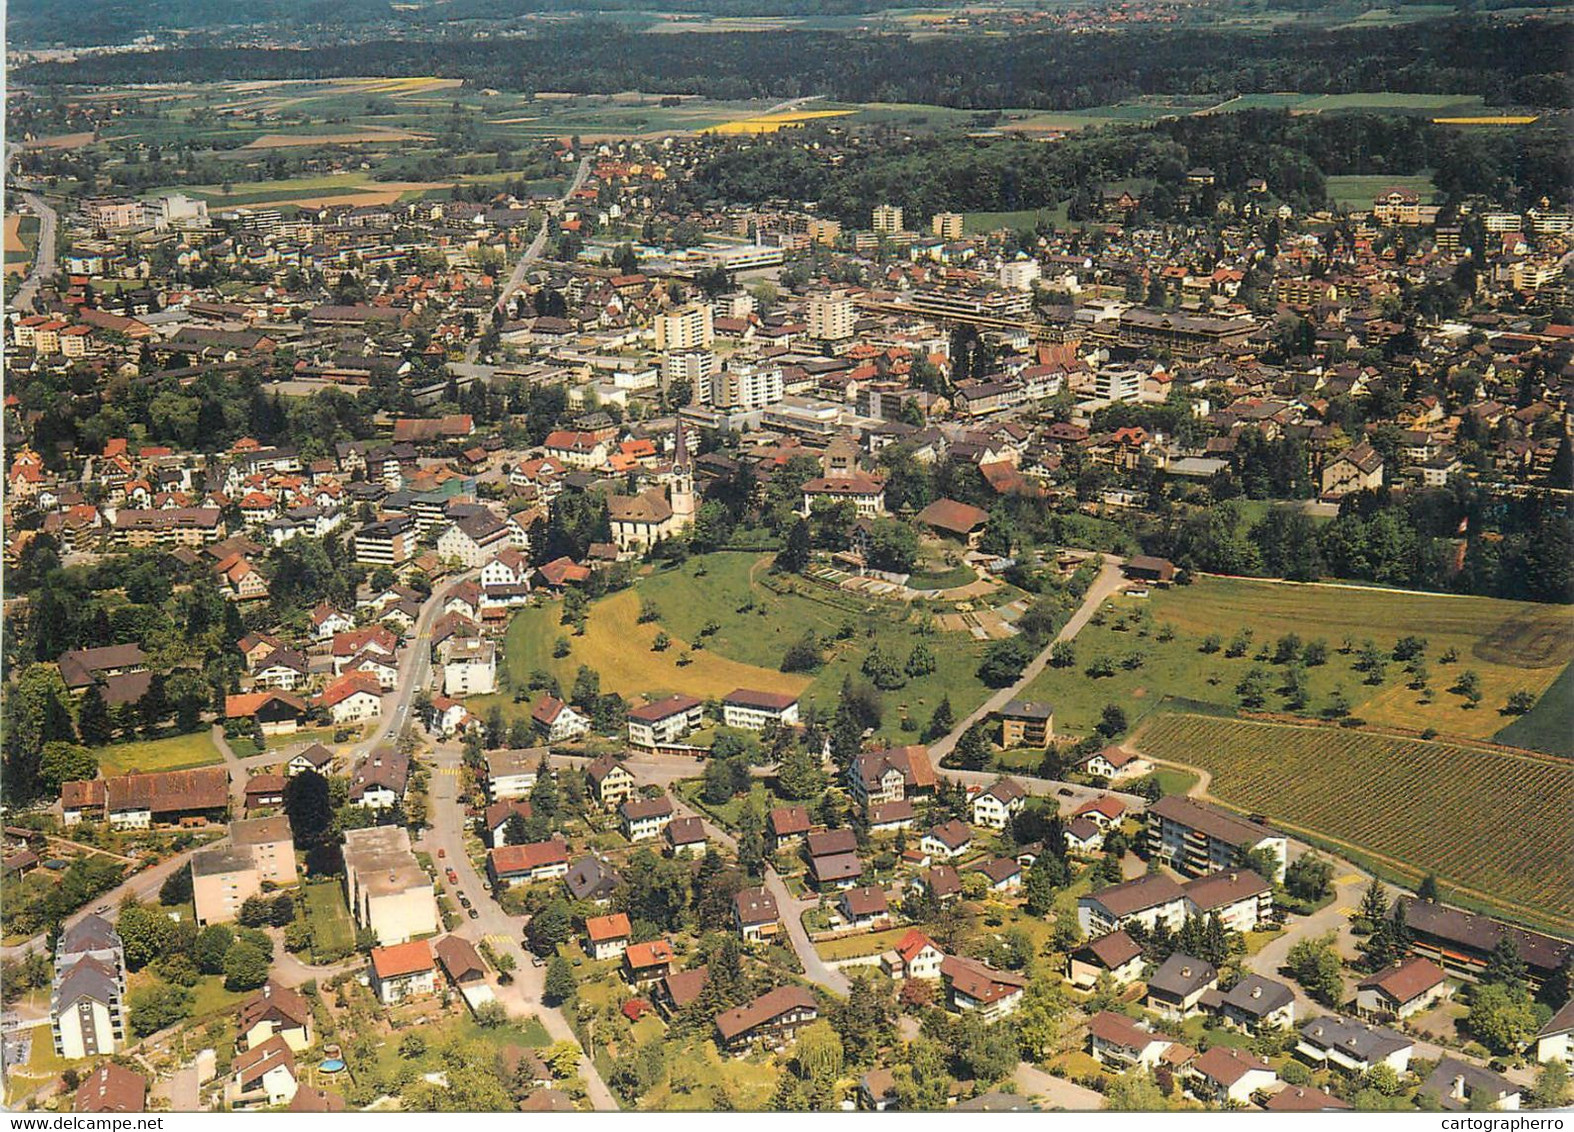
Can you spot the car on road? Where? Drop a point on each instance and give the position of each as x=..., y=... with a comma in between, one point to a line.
x=537, y=961
x=442, y=852
x=474, y=915
x=101, y=909
x=464, y=901
x=453, y=877
x=1066, y=792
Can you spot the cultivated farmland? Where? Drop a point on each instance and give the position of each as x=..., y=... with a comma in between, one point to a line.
x=1498, y=826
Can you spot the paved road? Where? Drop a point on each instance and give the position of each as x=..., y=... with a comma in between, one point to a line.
x=502, y=931
x=1109, y=580
x=237, y=769
x=44, y=264
x=516, y=278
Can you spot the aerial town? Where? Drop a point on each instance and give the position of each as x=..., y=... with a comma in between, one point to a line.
x=676, y=622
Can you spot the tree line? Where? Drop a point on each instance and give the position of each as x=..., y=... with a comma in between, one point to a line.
x=1500, y=60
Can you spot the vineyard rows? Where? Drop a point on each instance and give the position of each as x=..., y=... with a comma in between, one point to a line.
x=1498, y=824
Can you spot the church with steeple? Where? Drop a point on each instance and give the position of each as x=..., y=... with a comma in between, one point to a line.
x=640, y=521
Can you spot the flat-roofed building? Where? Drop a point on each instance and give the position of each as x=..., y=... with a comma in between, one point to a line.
x=386, y=887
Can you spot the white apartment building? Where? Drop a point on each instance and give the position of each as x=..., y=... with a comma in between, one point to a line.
x=745, y=386
x=388, y=890
x=685, y=328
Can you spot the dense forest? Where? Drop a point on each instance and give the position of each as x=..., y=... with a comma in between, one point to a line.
x=1505, y=62
x=32, y=23
x=1294, y=154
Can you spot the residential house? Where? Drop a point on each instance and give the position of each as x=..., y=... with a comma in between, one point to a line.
x=772, y=1019
x=994, y=807
x=380, y=779
x=525, y=864
x=498, y=815
x=1003, y=873
x=890, y=775
x=607, y=936
x=914, y=957
x=865, y=907
x=976, y=986
x=1359, y=468
x=611, y=781
x=948, y=840
x=645, y=818
x=1344, y=1043
x=264, y=1075
x=1026, y=723
x=678, y=989
x=403, y=971
x=1255, y=1002
x=648, y=962
x=314, y=758
x=1177, y=988
x=1115, y=763
x=1459, y=1086
x=754, y=912
x=1304, y=1098
x=835, y=870
x=1116, y=1041
x=1083, y=837
x=558, y=721
x=787, y=825
x=353, y=698
x=274, y=1011
x=1116, y=955
x=1225, y=1073
x=591, y=878
x=1400, y=990
x=685, y=837
x=111, y=1088
x=1555, y=1040
x=888, y=817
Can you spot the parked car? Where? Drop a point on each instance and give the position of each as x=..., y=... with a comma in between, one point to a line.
x=442, y=852
x=474, y=915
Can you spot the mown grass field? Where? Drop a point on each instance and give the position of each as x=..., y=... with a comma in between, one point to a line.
x=1511, y=646
x=871, y=943
x=1547, y=726
x=174, y=753
x=1496, y=825
x=756, y=625
x=719, y=587
x=1357, y=191
x=623, y=652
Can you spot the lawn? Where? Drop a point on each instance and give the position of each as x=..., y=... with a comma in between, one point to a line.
x=696, y=1073
x=954, y=578
x=332, y=928
x=323, y=735
x=174, y=753
x=1415, y=806
x=1546, y=727
x=1357, y=191
x=849, y=947
x=622, y=651
x=756, y=624
x=975, y=223
x=1511, y=646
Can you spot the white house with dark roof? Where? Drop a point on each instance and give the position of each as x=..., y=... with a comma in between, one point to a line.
x=997, y=804
x=753, y=711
